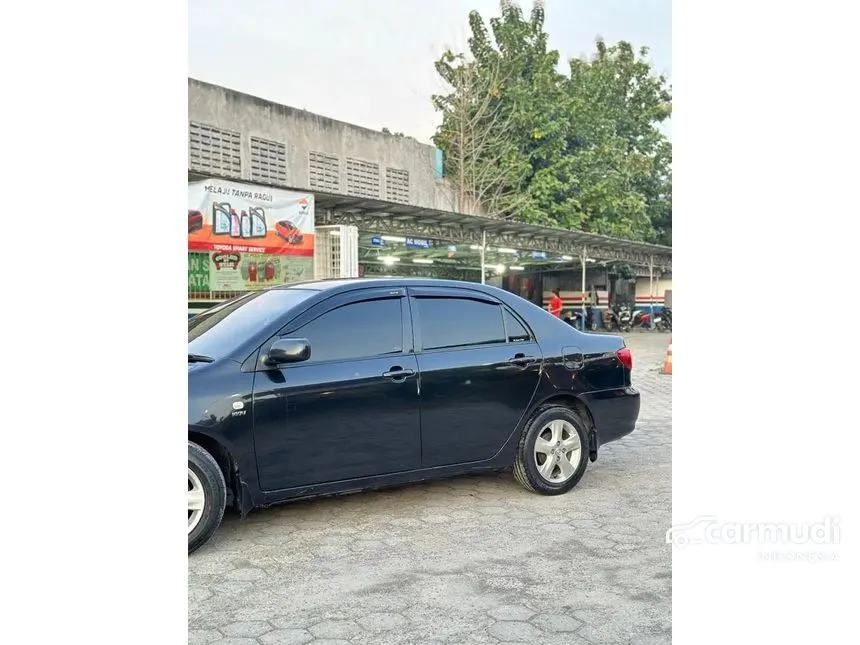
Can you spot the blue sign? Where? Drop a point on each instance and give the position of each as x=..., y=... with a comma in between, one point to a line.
x=415, y=243
x=440, y=164
x=377, y=241
x=539, y=255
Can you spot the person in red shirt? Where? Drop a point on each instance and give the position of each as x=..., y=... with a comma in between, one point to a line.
x=555, y=303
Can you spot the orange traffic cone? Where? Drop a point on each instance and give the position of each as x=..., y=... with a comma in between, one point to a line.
x=667, y=364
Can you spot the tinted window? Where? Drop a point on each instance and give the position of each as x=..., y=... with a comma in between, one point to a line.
x=457, y=322
x=218, y=331
x=360, y=330
x=516, y=332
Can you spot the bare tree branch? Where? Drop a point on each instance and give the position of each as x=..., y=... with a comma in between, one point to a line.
x=478, y=138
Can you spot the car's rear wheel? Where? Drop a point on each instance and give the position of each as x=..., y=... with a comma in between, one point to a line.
x=207, y=496
x=553, y=452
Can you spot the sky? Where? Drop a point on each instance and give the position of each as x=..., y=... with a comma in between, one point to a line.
x=370, y=62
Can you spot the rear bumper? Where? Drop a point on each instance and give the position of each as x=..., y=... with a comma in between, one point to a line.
x=614, y=412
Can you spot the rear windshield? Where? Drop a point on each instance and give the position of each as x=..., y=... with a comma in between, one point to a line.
x=218, y=331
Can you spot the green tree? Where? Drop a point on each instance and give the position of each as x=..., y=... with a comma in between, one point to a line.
x=617, y=105
x=581, y=151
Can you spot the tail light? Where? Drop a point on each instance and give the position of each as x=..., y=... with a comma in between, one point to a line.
x=626, y=357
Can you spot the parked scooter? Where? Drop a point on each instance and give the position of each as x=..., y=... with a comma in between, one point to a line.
x=640, y=318
x=624, y=317
x=663, y=322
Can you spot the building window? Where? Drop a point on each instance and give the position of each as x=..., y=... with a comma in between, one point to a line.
x=268, y=161
x=397, y=185
x=362, y=178
x=214, y=151
x=324, y=172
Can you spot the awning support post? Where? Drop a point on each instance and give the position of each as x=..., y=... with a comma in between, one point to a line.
x=651, y=289
x=483, y=256
x=584, y=259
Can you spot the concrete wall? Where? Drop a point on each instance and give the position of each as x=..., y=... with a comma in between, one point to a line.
x=304, y=132
x=660, y=288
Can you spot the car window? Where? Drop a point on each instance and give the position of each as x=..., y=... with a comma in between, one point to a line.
x=516, y=332
x=358, y=330
x=459, y=322
x=218, y=331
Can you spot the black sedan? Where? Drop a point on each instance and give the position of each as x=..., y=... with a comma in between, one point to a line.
x=328, y=387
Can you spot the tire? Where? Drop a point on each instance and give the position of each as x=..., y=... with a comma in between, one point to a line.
x=204, y=475
x=527, y=470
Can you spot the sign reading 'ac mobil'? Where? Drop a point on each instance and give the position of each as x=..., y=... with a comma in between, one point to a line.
x=415, y=243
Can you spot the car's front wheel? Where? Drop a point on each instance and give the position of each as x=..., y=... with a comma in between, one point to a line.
x=207, y=496
x=553, y=452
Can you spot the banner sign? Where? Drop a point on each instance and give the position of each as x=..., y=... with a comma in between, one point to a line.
x=227, y=217
x=198, y=273
x=233, y=271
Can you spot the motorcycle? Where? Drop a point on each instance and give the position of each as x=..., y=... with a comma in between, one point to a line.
x=624, y=317
x=663, y=322
x=640, y=318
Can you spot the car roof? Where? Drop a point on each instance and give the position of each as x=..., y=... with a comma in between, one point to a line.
x=345, y=284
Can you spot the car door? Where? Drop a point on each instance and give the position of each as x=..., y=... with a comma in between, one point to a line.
x=352, y=409
x=479, y=368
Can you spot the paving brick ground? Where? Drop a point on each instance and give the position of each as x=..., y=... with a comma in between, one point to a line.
x=471, y=560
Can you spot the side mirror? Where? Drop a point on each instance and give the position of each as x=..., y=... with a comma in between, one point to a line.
x=288, y=350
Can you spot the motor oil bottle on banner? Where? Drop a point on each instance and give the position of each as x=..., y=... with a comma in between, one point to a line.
x=235, y=227
x=245, y=221
x=244, y=270
x=270, y=271
x=252, y=272
x=258, y=222
x=220, y=218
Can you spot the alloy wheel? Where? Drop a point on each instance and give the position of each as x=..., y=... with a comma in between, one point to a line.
x=196, y=500
x=557, y=451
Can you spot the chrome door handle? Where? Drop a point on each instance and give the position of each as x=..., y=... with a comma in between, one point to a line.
x=398, y=374
x=521, y=359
